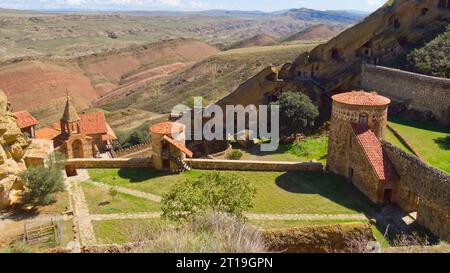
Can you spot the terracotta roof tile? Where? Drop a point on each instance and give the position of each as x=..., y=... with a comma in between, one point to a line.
x=378, y=158
x=179, y=146
x=49, y=133
x=361, y=98
x=167, y=128
x=93, y=123
x=25, y=119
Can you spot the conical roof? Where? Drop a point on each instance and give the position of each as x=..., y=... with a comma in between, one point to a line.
x=70, y=112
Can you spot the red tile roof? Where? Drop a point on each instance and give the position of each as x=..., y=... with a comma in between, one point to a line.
x=25, y=119
x=179, y=146
x=375, y=153
x=48, y=133
x=361, y=98
x=91, y=124
x=167, y=128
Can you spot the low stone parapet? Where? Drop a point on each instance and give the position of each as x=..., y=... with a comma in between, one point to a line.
x=245, y=165
x=116, y=163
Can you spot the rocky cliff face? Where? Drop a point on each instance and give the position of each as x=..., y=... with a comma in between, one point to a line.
x=12, y=149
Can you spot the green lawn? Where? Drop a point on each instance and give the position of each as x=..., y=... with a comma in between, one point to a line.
x=122, y=231
x=100, y=202
x=310, y=149
x=277, y=192
x=431, y=141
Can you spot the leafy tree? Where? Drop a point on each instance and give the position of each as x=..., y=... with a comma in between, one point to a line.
x=212, y=191
x=44, y=181
x=297, y=113
x=434, y=58
x=235, y=155
x=127, y=139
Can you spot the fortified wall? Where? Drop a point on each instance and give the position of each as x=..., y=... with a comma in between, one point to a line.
x=418, y=92
x=426, y=185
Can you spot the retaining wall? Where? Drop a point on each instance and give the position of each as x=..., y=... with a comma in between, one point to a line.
x=429, y=184
x=244, y=165
x=420, y=92
x=116, y=163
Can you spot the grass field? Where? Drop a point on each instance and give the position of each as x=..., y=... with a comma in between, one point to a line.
x=310, y=149
x=431, y=141
x=277, y=192
x=100, y=202
x=120, y=231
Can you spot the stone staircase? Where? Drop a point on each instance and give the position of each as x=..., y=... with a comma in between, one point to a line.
x=182, y=166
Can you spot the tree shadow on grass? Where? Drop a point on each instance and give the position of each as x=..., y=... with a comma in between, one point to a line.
x=443, y=142
x=330, y=186
x=141, y=174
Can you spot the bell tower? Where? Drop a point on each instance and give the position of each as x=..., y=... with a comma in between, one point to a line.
x=70, y=120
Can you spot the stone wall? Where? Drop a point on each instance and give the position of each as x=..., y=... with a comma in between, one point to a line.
x=352, y=237
x=116, y=163
x=133, y=149
x=420, y=92
x=244, y=165
x=430, y=185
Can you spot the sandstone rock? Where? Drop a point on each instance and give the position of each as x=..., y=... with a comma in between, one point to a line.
x=13, y=145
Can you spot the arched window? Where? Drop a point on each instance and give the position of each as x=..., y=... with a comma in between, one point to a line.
x=363, y=118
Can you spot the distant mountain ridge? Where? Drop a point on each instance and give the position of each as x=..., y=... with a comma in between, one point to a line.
x=301, y=12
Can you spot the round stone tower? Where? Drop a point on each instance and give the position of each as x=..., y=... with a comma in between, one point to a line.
x=167, y=139
x=356, y=107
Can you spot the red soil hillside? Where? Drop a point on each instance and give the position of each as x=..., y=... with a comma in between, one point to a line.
x=37, y=84
x=258, y=40
x=316, y=32
x=112, y=67
x=30, y=85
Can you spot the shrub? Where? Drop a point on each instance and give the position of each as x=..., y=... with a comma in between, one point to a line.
x=43, y=182
x=212, y=191
x=137, y=136
x=206, y=233
x=297, y=113
x=433, y=59
x=235, y=155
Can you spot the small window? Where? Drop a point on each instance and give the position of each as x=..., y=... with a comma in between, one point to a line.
x=363, y=118
x=334, y=53
x=397, y=23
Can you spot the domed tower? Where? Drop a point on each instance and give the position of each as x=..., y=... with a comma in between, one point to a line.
x=356, y=108
x=169, y=146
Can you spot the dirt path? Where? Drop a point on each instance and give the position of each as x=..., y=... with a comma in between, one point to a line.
x=250, y=216
x=85, y=230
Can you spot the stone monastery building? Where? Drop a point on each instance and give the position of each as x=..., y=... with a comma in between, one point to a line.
x=358, y=123
x=79, y=135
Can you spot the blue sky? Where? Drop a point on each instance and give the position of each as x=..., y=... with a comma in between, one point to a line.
x=266, y=5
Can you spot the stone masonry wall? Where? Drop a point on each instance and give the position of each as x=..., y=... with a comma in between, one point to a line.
x=431, y=185
x=243, y=165
x=422, y=93
x=111, y=163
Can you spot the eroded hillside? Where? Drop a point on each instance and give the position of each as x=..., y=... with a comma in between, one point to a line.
x=212, y=78
x=40, y=84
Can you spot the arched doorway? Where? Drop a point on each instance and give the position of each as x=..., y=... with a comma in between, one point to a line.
x=77, y=149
